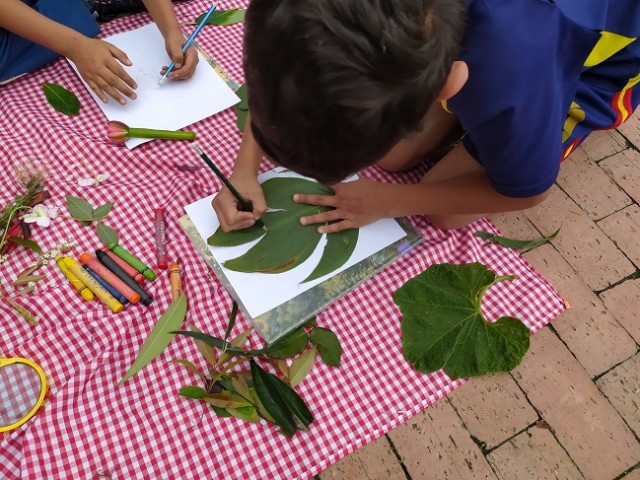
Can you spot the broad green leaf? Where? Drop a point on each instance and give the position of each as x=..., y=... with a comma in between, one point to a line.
x=27, y=279
x=336, y=252
x=207, y=351
x=106, y=234
x=260, y=408
x=291, y=344
x=79, y=208
x=193, y=391
x=328, y=345
x=443, y=327
x=25, y=242
x=248, y=414
x=61, y=99
x=293, y=401
x=209, y=340
x=223, y=17
x=225, y=400
x=102, y=211
x=159, y=337
x=271, y=399
x=301, y=367
x=522, y=245
x=189, y=366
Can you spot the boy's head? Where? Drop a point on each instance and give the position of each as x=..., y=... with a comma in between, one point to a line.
x=334, y=84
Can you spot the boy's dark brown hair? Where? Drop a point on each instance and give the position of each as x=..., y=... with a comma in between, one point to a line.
x=334, y=84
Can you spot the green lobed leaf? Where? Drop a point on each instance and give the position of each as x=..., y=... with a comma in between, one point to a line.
x=61, y=99
x=291, y=344
x=443, y=327
x=522, y=245
x=193, y=391
x=25, y=242
x=159, y=337
x=328, y=345
x=102, y=211
x=79, y=208
x=271, y=400
x=106, y=234
x=301, y=367
x=337, y=251
x=223, y=17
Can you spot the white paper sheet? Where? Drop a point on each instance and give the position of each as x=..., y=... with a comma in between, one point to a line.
x=172, y=105
x=260, y=292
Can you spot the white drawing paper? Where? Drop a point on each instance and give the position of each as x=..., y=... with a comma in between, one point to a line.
x=174, y=104
x=260, y=292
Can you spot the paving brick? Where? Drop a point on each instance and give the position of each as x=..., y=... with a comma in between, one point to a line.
x=631, y=130
x=584, y=422
x=434, y=445
x=632, y=475
x=623, y=300
x=622, y=387
x=623, y=228
x=602, y=144
x=533, y=455
x=374, y=461
x=515, y=225
x=591, y=187
x=624, y=168
x=493, y=408
x=589, y=251
x=592, y=333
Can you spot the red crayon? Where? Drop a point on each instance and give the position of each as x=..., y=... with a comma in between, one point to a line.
x=161, y=238
x=109, y=277
x=132, y=272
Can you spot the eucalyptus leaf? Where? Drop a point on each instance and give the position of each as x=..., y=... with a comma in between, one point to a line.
x=159, y=337
x=237, y=342
x=25, y=242
x=223, y=17
x=106, y=234
x=288, y=346
x=209, y=340
x=328, y=345
x=271, y=400
x=225, y=400
x=102, y=211
x=522, y=245
x=443, y=327
x=189, y=366
x=232, y=320
x=301, y=367
x=193, y=391
x=27, y=279
x=61, y=99
x=79, y=208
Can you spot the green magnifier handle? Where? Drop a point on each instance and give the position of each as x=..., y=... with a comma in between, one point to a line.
x=165, y=134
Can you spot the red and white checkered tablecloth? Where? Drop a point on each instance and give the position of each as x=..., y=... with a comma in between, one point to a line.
x=143, y=429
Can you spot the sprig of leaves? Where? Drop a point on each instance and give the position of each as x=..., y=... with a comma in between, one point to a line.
x=521, y=245
x=256, y=393
x=83, y=211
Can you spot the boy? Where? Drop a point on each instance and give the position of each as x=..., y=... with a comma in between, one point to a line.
x=35, y=32
x=341, y=84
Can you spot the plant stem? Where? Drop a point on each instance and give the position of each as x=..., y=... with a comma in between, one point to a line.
x=12, y=213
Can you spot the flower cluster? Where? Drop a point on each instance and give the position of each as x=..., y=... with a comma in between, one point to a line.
x=30, y=174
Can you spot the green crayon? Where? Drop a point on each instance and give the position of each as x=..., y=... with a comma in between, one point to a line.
x=133, y=261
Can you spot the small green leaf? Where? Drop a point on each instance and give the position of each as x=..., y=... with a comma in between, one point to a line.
x=61, y=99
x=225, y=400
x=209, y=340
x=328, y=345
x=272, y=400
x=221, y=412
x=522, y=245
x=79, y=208
x=189, y=366
x=25, y=242
x=193, y=391
x=223, y=17
x=443, y=327
x=248, y=414
x=106, y=234
x=301, y=367
x=27, y=279
x=159, y=337
x=291, y=344
x=102, y=211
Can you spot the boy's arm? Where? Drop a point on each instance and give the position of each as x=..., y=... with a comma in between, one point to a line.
x=364, y=201
x=165, y=18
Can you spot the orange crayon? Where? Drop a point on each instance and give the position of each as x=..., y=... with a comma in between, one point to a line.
x=109, y=277
x=175, y=277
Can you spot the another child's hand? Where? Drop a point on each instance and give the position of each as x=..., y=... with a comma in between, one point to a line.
x=184, y=63
x=226, y=206
x=100, y=64
x=356, y=204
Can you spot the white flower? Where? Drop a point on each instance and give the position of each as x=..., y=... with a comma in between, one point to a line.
x=40, y=215
x=86, y=182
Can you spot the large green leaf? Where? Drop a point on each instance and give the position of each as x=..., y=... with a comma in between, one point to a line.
x=223, y=17
x=61, y=99
x=442, y=326
x=328, y=345
x=287, y=243
x=271, y=399
x=159, y=337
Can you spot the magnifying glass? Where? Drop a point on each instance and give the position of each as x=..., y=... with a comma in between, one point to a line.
x=23, y=386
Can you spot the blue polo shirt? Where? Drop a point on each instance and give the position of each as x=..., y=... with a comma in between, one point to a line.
x=542, y=76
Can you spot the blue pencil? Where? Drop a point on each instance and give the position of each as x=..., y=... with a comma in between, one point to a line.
x=189, y=41
x=106, y=285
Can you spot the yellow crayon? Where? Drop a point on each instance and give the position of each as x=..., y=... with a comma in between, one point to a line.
x=93, y=284
x=73, y=280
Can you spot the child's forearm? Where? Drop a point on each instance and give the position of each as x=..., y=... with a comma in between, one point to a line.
x=250, y=154
x=164, y=17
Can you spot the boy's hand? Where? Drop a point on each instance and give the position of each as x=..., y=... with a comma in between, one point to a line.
x=100, y=64
x=226, y=205
x=184, y=63
x=353, y=202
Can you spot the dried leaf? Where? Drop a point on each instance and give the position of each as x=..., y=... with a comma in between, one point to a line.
x=61, y=99
x=106, y=234
x=79, y=208
x=237, y=342
x=281, y=363
x=301, y=367
x=159, y=337
x=102, y=211
x=328, y=345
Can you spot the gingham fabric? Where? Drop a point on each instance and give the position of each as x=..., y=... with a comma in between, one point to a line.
x=90, y=425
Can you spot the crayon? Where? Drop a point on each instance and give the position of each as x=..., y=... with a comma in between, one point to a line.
x=107, y=275
x=132, y=272
x=73, y=280
x=133, y=261
x=161, y=238
x=117, y=295
x=175, y=277
x=94, y=286
x=145, y=298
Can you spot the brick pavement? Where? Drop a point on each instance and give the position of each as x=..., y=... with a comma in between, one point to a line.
x=571, y=410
